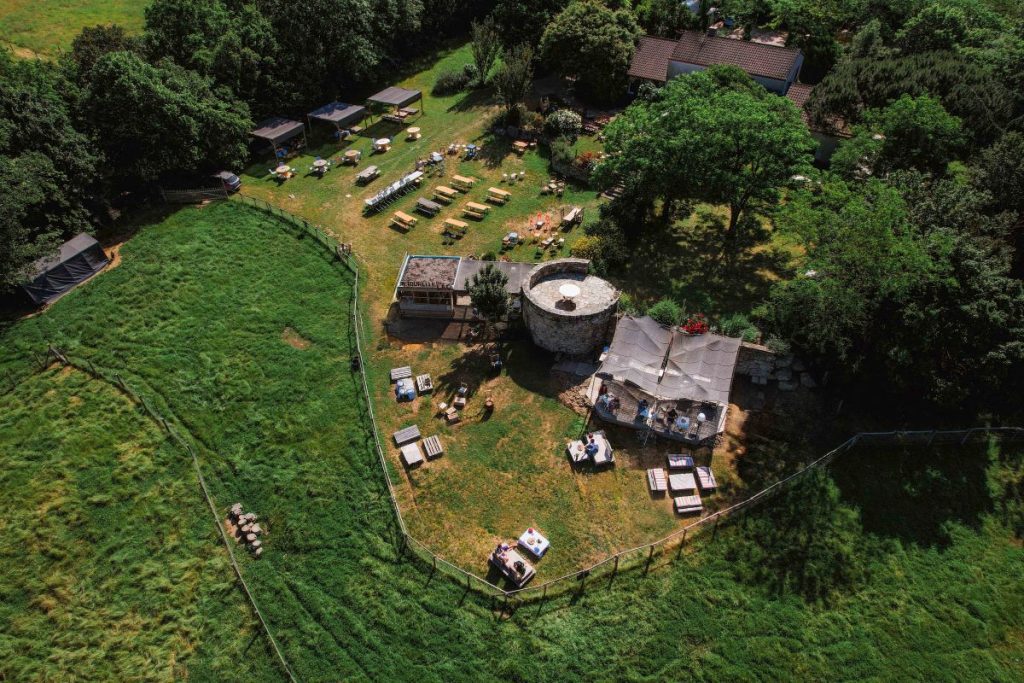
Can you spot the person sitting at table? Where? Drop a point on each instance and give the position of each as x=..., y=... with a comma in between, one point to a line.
x=591, y=448
x=614, y=403
x=672, y=414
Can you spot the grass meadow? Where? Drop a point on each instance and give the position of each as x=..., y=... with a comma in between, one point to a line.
x=45, y=27
x=238, y=330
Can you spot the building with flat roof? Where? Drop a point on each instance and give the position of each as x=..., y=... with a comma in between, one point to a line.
x=437, y=286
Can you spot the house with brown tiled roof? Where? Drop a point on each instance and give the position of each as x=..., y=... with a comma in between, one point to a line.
x=660, y=60
x=828, y=135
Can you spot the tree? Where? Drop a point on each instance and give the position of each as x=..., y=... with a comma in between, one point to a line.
x=594, y=44
x=48, y=169
x=94, y=42
x=664, y=18
x=999, y=171
x=713, y=136
x=517, y=21
x=563, y=123
x=153, y=119
x=911, y=133
x=935, y=27
x=514, y=77
x=486, y=45
x=487, y=291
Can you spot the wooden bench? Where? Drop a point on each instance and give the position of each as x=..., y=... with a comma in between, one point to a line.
x=411, y=454
x=656, y=480
x=433, y=446
x=574, y=216
x=400, y=373
x=424, y=384
x=687, y=505
x=406, y=434
x=706, y=479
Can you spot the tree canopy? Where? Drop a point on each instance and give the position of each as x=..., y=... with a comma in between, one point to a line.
x=488, y=293
x=594, y=44
x=713, y=136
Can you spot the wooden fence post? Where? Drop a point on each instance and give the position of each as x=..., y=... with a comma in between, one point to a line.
x=682, y=542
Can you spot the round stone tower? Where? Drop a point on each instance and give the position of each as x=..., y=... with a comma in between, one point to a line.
x=567, y=310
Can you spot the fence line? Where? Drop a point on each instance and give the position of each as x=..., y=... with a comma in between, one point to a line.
x=117, y=380
x=683, y=535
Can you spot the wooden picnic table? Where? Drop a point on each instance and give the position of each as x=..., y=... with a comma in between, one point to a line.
x=479, y=208
x=455, y=223
x=463, y=180
x=404, y=217
x=445, y=191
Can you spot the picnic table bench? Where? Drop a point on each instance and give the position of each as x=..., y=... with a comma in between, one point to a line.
x=462, y=182
x=432, y=444
x=400, y=373
x=427, y=207
x=403, y=220
x=367, y=174
x=424, y=384
x=406, y=434
x=445, y=193
x=574, y=215
x=456, y=224
x=497, y=195
x=479, y=208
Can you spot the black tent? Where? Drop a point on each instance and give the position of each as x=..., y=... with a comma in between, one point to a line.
x=395, y=97
x=78, y=260
x=339, y=114
x=277, y=130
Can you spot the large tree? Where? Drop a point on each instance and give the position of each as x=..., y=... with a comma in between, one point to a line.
x=911, y=133
x=515, y=75
x=486, y=46
x=488, y=292
x=151, y=119
x=49, y=168
x=714, y=136
x=594, y=44
x=522, y=21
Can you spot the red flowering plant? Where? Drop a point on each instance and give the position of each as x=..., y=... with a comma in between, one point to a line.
x=587, y=160
x=695, y=324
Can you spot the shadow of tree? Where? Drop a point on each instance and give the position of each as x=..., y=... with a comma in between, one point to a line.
x=702, y=266
x=474, y=99
x=472, y=368
x=914, y=493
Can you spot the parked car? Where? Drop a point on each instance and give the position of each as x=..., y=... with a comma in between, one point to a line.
x=229, y=180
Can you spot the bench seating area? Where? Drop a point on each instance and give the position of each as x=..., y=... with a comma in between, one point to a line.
x=432, y=444
x=497, y=195
x=445, y=194
x=424, y=384
x=574, y=216
x=688, y=505
x=656, y=480
x=400, y=373
x=604, y=455
x=411, y=455
x=406, y=434
x=706, y=479
x=680, y=461
x=681, y=481
x=367, y=174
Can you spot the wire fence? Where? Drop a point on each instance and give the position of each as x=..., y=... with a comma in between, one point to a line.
x=118, y=381
x=633, y=558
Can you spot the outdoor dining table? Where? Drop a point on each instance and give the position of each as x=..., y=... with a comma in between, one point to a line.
x=381, y=143
x=320, y=163
x=282, y=169
x=352, y=155
x=414, y=132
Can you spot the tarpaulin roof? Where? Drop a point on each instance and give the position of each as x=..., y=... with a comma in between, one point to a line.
x=77, y=260
x=669, y=364
x=277, y=129
x=339, y=113
x=396, y=97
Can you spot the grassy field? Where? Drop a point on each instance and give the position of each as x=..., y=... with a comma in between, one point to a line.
x=238, y=330
x=112, y=567
x=44, y=27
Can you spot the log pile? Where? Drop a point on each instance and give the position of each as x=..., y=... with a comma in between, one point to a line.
x=244, y=527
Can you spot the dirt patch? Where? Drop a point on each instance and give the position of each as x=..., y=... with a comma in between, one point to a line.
x=294, y=339
x=572, y=391
x=113, y=253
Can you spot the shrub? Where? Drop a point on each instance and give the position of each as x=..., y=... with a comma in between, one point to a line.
x=563, y=124
x=695, y=324
x=531, y=122
x=562, y=152
x=628, y=305
x=777, y=345
x=588, y=247
x=666, y=312
x=489, y=256
x=739, y=325
x=454, y=80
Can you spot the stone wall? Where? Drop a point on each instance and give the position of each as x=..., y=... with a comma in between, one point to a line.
x=763, y=366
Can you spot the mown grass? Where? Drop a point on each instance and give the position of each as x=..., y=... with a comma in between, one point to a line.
x=194, y=316
x=112, y=567
x=45, y=27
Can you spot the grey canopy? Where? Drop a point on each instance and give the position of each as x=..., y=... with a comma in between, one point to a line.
x=77, y=260
x=339, y=113
x=671, y=365
x=277, y=129
x=396, y=97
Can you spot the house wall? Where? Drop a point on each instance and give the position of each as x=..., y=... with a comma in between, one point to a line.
x=780, y=86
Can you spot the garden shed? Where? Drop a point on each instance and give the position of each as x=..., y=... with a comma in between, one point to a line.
x=77, y=260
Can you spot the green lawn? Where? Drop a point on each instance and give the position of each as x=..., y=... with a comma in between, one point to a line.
x=112, y=566
x=44, y=27
x=205, y=315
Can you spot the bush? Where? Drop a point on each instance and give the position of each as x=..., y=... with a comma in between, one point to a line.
x=489, y=256
x=666, y=312
x=531, y=122
x=739, y=325
x=628, y=305
x=778, y=345
x=563, y=124
x=454, y=80
x=588, y=247
x=562, y=152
